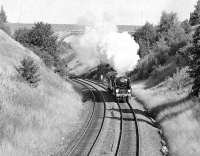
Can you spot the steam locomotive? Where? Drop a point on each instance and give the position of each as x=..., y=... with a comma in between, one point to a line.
x=120, y=87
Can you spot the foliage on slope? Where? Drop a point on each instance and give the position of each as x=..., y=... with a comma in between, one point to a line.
x=162, y=45
x=33, y=121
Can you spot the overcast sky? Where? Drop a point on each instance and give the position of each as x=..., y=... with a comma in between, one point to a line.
x=135, y=12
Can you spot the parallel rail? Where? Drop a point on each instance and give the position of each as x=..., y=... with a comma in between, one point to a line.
x=121, y=119
x=137, y=130
x=120, y=132
x=86, y=126
x=104, y=113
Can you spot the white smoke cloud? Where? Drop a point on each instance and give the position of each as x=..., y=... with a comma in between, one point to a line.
x=101, y=43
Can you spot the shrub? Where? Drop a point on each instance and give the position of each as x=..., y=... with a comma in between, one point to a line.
x=42, y=35
x=41, y=40
x=182, y=55
x=22, y=36
x=161, y=51
x=179, y=79
x=28, y=70
x=161, y=73
x=144, y=67
x=61, y=68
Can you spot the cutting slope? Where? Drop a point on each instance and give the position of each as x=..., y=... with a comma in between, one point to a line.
x=33, y=121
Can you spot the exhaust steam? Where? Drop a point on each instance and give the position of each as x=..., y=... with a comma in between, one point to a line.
x=102, y=43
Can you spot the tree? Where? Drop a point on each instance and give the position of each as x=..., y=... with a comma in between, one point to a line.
x=195, y=15
x=40, y=39
x=42, y=35
x=176, y=38
x=146, y=37
x=173, y=32
x=3, y=17
x=29, y=71
x=186, y=26
x=194, y=63
x=3, y=21
x=167, y=21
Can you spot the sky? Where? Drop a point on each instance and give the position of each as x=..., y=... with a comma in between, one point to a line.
x=130, y=12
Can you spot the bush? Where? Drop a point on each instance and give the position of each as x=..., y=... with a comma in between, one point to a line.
x=179, y=79
x=161, y=73
x=22, y=36
x=29, y=71
x=41, y=40
x=42, y=35
x=61, y=68
x=144, y=67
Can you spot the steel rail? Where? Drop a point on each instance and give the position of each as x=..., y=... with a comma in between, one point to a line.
x=135, y=121
x=104, y=114
x=120, y=132
x=86, y=126
x=121, y=119
x=137, y=129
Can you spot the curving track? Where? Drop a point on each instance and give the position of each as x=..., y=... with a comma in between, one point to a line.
x=88, y=137
x=128, y=130
x=128, y=138
x=79, y=137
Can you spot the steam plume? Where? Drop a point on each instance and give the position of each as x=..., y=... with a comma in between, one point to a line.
x=101, y=43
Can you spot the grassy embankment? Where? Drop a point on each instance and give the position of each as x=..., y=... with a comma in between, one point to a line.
x=178, y=114
x=33, y=121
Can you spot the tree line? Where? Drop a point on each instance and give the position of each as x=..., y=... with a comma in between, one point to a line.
x=164, y=47
x=169, y=45
x=42, y=40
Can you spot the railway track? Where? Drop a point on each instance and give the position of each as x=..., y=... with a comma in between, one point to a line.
x=137, y=143
x=120, y=144
x=86, y=125
x=137, y=129
x=78, y=144
x=120, y=132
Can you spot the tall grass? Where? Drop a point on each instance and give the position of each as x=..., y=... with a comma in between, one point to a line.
x=178, y=116
x=33, y=121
